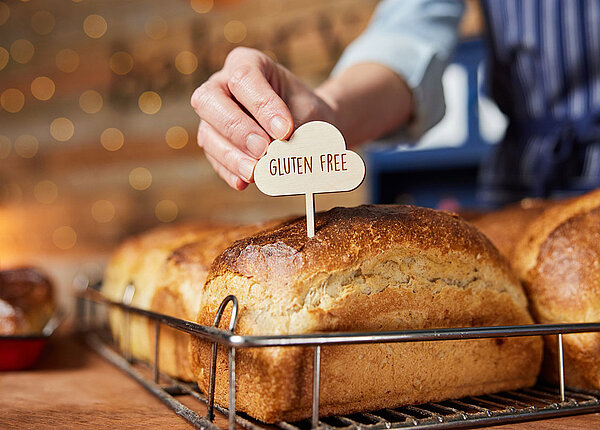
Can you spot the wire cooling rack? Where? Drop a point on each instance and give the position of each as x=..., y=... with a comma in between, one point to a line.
x=476, y=411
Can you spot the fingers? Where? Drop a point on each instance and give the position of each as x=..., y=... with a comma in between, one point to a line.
x=230, y=159
x=250, y=87
x=232, y=180
x=214, y=104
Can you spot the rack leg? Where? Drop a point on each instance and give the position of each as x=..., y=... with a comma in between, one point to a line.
x=231, y=388
x=561, y=367
x=127, y=337
x=316, y=386
x=211, y=383
x=156, y=349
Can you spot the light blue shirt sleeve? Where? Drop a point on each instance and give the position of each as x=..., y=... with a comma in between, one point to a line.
x=414, y=38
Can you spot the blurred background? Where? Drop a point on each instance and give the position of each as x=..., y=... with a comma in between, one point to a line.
x=97, y=137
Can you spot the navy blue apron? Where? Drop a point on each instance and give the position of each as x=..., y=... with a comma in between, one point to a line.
x=544, y=74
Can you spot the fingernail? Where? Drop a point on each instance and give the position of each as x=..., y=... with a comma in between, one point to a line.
x=257, y=145
x=279, y=127
x=246, y=168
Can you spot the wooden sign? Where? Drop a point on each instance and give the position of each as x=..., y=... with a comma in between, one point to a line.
x=314, y=160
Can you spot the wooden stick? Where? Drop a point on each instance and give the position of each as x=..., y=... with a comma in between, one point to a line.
x=310, y=214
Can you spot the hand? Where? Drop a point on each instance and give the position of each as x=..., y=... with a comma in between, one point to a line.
x=246, y=105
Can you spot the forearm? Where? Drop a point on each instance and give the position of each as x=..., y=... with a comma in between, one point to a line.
x=369, y=100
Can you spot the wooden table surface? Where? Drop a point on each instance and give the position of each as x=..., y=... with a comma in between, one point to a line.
x=72, y=387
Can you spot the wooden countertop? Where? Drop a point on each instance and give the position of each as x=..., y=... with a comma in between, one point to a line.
x=72, y=387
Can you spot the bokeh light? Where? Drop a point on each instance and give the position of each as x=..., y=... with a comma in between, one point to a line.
x=4, y=147
x=112, y=139
x=140, y=178
x=149, y=102
x=186, y=62
x=156, y=27
x=3, y=58
x=235, y=31
x=43, y=88
x=62, y=129
x=176, y=137
x=103, y=211
x=90, y=101
x=22, y=50
x=67, y=60
x=26, y=146
x=42, y=22
x=45, y=192
x=94, y=26
x=64, y=237
x=4, y=12
x=166, y=210
x=121, y=63
x=12, y=100
x=202, y=6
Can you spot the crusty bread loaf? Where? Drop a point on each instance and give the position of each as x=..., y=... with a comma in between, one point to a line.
x=140, y=261
x=26, y=301
x=181, y=288
x=168, y=267
x=558, y=261
x=367, y=269
x=505, y=227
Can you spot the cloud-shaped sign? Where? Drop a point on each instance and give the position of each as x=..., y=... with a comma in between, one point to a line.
x=314, y=160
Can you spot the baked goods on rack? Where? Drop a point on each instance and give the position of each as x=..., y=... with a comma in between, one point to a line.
x=26, y=301
x=558, y=260
x=369, y=268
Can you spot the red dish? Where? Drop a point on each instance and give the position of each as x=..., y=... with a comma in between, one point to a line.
x=20, y=352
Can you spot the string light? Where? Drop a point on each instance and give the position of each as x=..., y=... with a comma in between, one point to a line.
x=12, y=100
x=140, y=178
x=149, y=102
x=103, y=211
x=112, y=139
x=45, y=192
x=4, y=12
x=156, y=27
x=67, y=60
x=94, y=26
x=186, y=62
x=42, y=22
x=3, y=58
x=64, y=237
x=26, y=146
x=121, y=63
x=202, y=6
x=166, y=210
x=176, y=137
x=62, y=129
x=4, y=147
x=90, y=101
x=22, y=50
x=42, y=88
x=235, y=31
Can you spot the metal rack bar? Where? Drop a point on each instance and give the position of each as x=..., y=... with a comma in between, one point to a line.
x=229, y=339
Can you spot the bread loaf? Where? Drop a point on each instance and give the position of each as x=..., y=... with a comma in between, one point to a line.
x=26, y=301
x=558, y=260
x=140, y=261
x=505, y=227
x=168, y=267
x=371, y=268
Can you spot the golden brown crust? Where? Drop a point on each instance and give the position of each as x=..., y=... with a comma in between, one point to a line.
x=27, y=298
x=564, y=286
x=505, y=227
x=367, y=268
x=526, y=250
